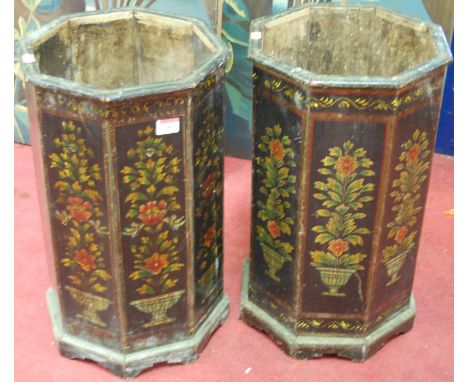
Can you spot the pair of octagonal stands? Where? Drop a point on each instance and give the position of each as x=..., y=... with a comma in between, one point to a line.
x=126, y=114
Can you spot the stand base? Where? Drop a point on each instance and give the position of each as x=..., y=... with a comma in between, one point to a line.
x=129, y=365
x=315, y=345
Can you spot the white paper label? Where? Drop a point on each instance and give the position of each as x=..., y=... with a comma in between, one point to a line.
x=28, y=58
x=167, y=126
x=257, y=35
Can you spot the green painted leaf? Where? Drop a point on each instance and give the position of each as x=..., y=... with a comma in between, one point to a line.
x=101, y=273
x=323, y=258
x=355, y=185
x=328, y=161
x=359, y=215
x=324, y=171
x=342, y=209
x=334, y=185
x=136, y=196
x=323, y=213
x=283, y=173
x=355, y=239
x=286, y=140
x=348, y=145
x=362, y=231
x=319, y=229
x=368, y=187
x=320, y=186
x=349, y=229
x=335, y=151
x=319, y=196
x=288, y=220
x=365, y=162
x=329, y=203
x=277, y=130
x=334, y=196
x=168, y=190
x=285, y=228
x=323, y=238
x=359, y=153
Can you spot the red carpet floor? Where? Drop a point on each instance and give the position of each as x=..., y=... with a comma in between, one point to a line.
x=237, y=352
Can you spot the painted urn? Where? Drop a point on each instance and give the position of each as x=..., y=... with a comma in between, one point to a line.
x=346, y=107
x=126, y=116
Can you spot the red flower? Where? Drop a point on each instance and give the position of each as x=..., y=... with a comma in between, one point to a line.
x=413, y=153
x=209, y=236
x=338, y=247
x=80, y=209
x=153, y=213
x=277, y=149
x=346, y=165
x=401, y=234
x=156, y=263
x=85, y=260
x=273, y=228
x=209, y=185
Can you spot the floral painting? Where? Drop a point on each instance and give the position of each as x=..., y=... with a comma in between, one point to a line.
x=155, y=217
x=154, y=213
x=208, y=214
x=413, y=170
x=79, y=211
x=343, y=193
x=274, y=164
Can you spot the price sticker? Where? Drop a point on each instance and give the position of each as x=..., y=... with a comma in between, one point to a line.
x=167, y=126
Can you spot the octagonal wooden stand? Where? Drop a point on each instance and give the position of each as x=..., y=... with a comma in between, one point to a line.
x=303, y=346
x=129, y=365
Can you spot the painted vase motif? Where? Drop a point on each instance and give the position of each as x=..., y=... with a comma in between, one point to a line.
x=91, y=305
x=158, y=307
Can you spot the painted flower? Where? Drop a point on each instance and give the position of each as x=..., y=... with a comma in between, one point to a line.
x=346, y=165
x=277, y=149
x=273, y=228
x=401, y=234
x=153, y=213
x=338, y=247
x=85, y=260
x=80, y=209
x=413, y=153
x=209, y=236
x=156, y=263
x=209, y=185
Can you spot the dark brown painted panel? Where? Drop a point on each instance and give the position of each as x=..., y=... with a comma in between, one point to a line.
x=275, y=188
x=74, y=166
x=208, y=126
x=342, y=194
x=404, y=207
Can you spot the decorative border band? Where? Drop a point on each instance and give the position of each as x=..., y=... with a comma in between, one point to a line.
x=394, y=103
